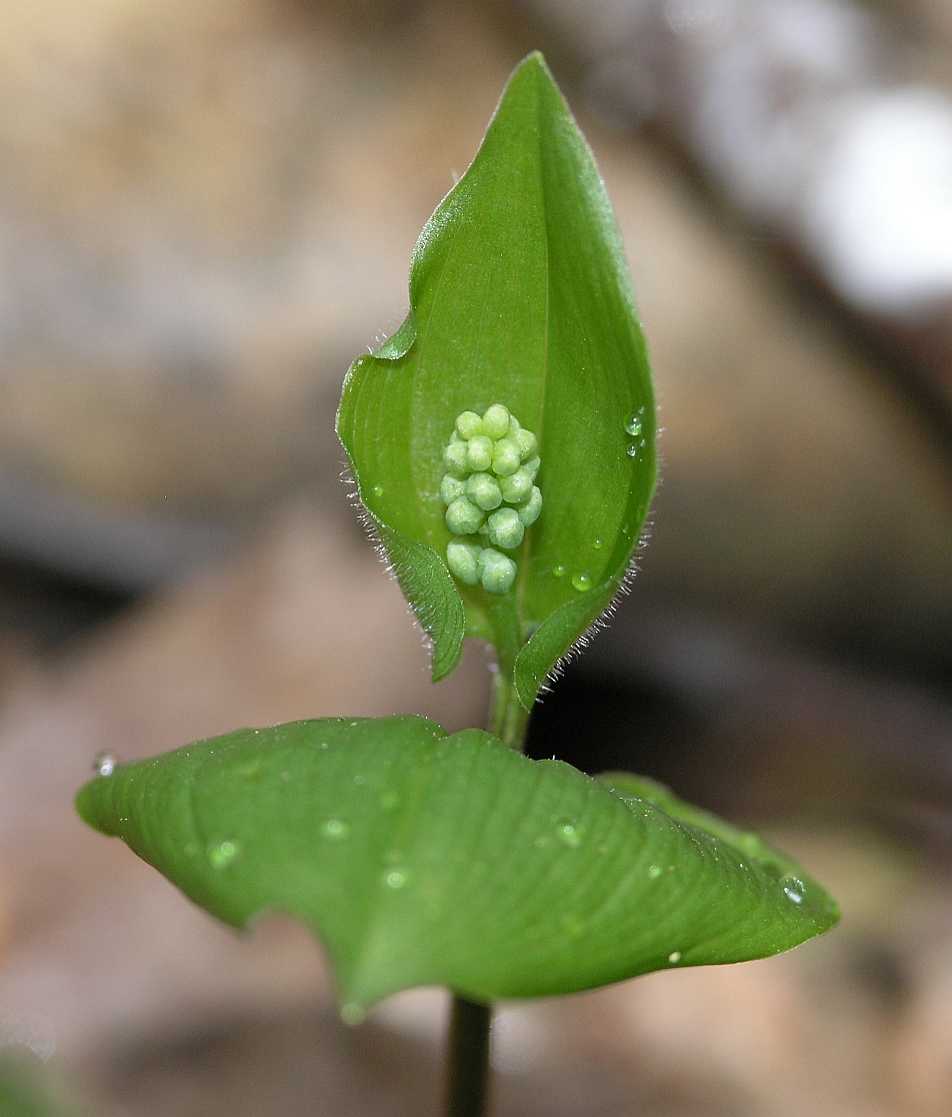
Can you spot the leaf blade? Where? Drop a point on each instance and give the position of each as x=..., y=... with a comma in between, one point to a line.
x=519, y=294
x=420, y=858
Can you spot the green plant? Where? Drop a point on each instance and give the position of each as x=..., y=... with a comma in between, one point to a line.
x=503, y=445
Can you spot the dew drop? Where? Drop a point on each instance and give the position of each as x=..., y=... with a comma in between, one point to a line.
x=598, y=543
x=395, y=879
x=634, y=426
x=378, y=490
x=582, y=581
x=104, y=763
x=674, y=957
x=654, y=871
x=794, y=889
x=632, y=450
x=568, y=835
x=559, y=571
x=221, y=854
x=335, y=829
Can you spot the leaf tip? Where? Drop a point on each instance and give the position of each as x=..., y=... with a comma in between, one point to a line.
x=535, y=59
x=86, y=803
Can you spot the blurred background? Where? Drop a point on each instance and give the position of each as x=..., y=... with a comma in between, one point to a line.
x=206, y=210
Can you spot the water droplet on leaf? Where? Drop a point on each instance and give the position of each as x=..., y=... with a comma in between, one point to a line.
x=654, y=871
x=794, y=889
x=104, y=763
x=559, y=571
x=395, y=879
x=598, y=543
x=634, y=425
x=567, y=833
x=632, y=450
x=221, y=854
x=674, y=957
x=335, y=829
x=582, y=581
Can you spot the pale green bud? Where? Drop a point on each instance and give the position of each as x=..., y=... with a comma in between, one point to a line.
x=469, y=424
x=529, y=512
x=479, y=453
x=517, y=487
x=483, y=489
x=532, y=467
x=498, y=572
x=451, y=488
x=506, y=459
x=463, y=561
x=454, y=458
x=506, y=529
x=463, y=517
x=527, y=443
x=496, y=421
x=514, y=425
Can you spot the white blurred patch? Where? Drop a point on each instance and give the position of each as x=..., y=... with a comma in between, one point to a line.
x=34, y=1034
x=689, y=17
x=879, y=215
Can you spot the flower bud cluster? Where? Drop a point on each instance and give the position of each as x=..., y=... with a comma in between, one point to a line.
x=490, y=495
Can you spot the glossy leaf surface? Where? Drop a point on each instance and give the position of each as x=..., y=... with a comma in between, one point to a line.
x=425, y=859
x=519, y=294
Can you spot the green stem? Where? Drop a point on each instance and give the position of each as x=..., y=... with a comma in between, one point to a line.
x=468, y=1056
x=507, y=719
x=468, y=1088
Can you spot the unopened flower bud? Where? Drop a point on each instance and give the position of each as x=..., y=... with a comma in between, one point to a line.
x=506, y=529
x=463, y=517
x=498, y=573
x=506, y=459
x=483, y=490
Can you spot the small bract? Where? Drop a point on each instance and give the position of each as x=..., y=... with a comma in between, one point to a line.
x=491, y=464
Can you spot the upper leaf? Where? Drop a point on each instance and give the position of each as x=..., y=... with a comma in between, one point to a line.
x=519, y=294
x=423, y=859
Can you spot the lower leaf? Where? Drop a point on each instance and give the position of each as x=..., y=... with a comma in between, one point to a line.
x=419, y=858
